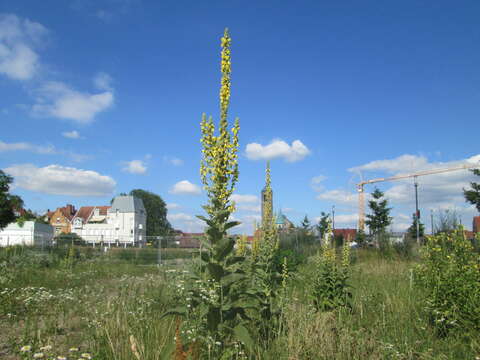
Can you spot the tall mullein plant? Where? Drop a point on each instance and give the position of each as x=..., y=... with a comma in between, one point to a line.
x=219, y=171
x=224, y=318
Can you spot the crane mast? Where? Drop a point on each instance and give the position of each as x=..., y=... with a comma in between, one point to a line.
x=361, y=193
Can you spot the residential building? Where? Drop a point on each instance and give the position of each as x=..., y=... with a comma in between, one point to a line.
x=122, y=223
x=61, y=219
x=30, y=233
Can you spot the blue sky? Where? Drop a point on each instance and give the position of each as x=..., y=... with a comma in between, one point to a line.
x=100, y=97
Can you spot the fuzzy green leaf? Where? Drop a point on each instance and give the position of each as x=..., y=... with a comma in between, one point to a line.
x=242, y=334
x=225, y=247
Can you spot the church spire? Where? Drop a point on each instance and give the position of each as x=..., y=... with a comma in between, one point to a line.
x=267, y=199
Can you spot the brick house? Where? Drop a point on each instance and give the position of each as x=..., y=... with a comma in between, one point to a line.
x=61, y=219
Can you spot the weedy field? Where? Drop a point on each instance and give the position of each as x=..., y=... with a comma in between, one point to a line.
x=56, y=306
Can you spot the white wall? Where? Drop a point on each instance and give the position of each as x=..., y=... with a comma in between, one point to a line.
x=29, y=234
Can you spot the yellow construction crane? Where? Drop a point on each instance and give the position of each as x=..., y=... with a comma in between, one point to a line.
x=361, y=194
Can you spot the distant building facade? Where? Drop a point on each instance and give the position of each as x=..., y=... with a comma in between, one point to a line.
x=347, y=234
x=122, y=223
x=476, y=224
x=30, y=233
x=61, y=219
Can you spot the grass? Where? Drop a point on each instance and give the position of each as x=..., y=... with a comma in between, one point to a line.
x=104, y=305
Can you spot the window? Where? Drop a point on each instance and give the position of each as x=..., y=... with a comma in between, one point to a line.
x=140, y=226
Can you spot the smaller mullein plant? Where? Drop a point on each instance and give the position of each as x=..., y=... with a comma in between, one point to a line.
x=449, y=279
x=264, y=275
x=330, y=289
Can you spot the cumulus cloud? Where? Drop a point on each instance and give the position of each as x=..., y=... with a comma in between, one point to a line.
x=242, y=199
x=403, y=163
x=60, y=180
x=186, y=222
x=339, y=196
x=24, y=146
x=135, y=167
x=252, y=208
x=19, y=38
x=173, y=160
x=316, y=182
x=171, y=206
x=42, y=150
x=185, y=187
x=74, y=134
x=435, y=191
x=56, y=99
x=103, y=81
x=277, y=149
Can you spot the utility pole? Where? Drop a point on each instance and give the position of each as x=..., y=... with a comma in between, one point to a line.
x=417, y=213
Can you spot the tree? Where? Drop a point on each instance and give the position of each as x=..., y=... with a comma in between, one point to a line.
x=305, y=224
x=473, y=196
x=8, y=203
x=412, y=230
x=323, y=223
x=380, y=218
x=157, y=223
x=446, y=221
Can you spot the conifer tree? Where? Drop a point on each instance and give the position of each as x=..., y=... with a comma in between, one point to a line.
x=323, y=223
x=306, y=226
x=379, y=219
x=473, y=195
x=412, y=230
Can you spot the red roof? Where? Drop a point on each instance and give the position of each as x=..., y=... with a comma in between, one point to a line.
x=68, y=211
x=84, y=213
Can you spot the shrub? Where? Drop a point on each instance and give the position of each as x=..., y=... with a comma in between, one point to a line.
x=450, y=278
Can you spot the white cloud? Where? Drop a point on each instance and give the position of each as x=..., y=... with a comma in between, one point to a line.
x=252, y=208
x=135, y=167
x=60, y=180
x=41, y=149
x=435, y=191
x=186, y=222
x=242, y=199
x=173, y=160
x=171, y=206
x=247, y=202
x=56, y=99
x=185, y=187
x=180, y=216
x=103, y=81
x=18, y=40
x=24, y=146
x=277, y=149
x=316, y=182
x=74, y=134
x=339, y=196
x=403, y=163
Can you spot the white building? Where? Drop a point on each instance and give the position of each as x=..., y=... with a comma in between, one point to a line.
x=30, y=233
x=123, y=223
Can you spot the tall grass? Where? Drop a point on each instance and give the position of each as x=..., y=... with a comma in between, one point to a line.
x=109, y=308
